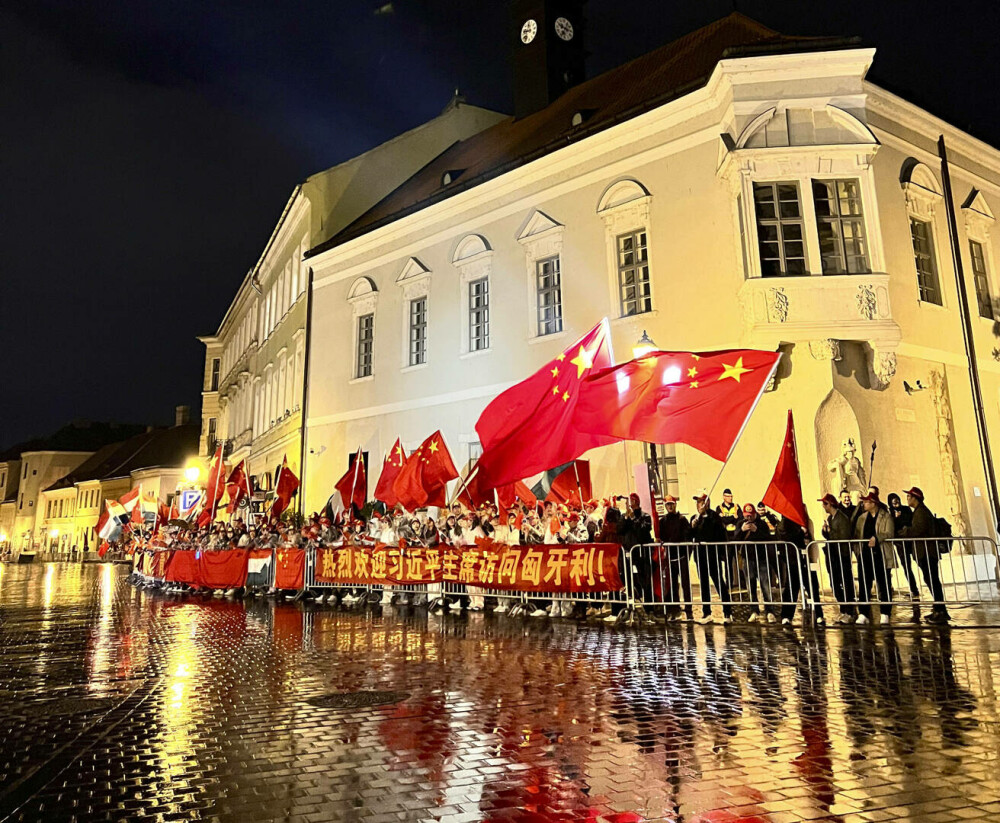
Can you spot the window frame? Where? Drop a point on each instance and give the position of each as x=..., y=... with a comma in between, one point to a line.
x=930, y=255
x=984, y=297
x=635, y=266
x=364, y=361
x=417, y=332
x=483, y=309
x=779, y=222
x=555, y=261
x=841, y=220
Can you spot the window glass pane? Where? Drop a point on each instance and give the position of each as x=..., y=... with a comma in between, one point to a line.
x=418, y=331
x=926, y=265
x=366, y=329
x=981, y=278
x=633, y=274
x=779, y=229
x=479, y=315
x=840, y=226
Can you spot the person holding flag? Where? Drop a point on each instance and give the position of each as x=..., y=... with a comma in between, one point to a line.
x=285, y=487
x=214, y=488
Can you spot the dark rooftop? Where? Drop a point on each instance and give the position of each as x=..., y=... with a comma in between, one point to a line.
x=152, y=449
x=79, y=436
x=622, y=93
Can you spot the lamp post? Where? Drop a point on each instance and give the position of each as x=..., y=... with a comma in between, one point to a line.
x=643, y=347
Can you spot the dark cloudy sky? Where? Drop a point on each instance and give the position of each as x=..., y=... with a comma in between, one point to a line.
x=147, y=148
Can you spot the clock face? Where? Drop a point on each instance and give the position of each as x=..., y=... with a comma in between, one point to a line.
x=564, y=29
x=528, y=31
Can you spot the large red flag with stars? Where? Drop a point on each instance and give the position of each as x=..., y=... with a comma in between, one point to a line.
x=286, y=485
x=529, y=428
x=703, y=400
x=784, y=494
x=353, y=486
x=393, y=464
x=422, y=480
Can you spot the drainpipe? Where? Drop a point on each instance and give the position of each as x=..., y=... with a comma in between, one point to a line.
x=967, y=334
x=305, y=396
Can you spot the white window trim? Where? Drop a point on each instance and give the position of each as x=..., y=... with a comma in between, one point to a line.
x=625, y=206
x=922, y=194
x=541, y=237
x=414, y=281
x=474, y=260
x=979, y=220
x=363, y=297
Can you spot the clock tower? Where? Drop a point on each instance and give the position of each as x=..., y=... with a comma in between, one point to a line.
x=547, y=41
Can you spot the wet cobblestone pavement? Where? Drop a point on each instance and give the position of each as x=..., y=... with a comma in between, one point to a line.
x=118, y=704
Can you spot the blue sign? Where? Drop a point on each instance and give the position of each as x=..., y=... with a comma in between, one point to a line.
x=189, y=497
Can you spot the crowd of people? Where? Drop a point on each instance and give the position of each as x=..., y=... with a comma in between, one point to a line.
x=746, y=553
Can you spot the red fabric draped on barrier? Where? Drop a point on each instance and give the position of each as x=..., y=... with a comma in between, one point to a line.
x=223, y=569
x=290, y=569
x=582, y=567
x=183, y=567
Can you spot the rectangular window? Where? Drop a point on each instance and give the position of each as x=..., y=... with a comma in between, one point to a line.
x=923, y=255
x=212, y=425
x=841, y=226
x=366, y=344
x=981, y=279
x=479, y=314
x=418, y=331
x=633, y=273
x=548, y=285
x=780, y=230
x=215, y=374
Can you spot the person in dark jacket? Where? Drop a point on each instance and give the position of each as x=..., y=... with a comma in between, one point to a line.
x=902, y=516
x=709, y=532
x=675, y=532
x=613, y=531
x=927, y=552
x=639, y=533
x=795, y=569
x=760, y=562
x=838, y=532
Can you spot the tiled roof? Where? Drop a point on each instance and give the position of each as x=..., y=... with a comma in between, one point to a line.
x=617, y=95
x=152, y=449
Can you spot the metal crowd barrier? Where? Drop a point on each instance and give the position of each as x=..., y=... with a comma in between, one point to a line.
x=960, y=571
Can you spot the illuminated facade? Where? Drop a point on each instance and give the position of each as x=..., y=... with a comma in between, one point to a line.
x=735, y=188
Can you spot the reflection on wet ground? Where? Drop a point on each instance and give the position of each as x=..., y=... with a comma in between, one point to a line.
x=120, y=704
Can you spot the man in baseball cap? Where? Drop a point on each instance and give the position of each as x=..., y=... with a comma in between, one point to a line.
x=927, y=551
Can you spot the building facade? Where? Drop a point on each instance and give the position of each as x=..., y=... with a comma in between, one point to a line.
x=254, y=365
x=733, y=189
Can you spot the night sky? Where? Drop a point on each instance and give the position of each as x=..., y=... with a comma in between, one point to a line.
x=147, y=149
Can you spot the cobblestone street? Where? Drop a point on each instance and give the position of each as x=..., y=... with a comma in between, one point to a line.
x=121, y=704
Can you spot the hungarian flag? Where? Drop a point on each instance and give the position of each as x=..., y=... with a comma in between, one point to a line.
x=353, y=486
x=393, y=464
x=784, y=494
x=530, y=427
x=237, y=486
x=214, y=487
x=149, y=507
x=703, y=400
x=284, y=488
x=110, y=525
x=130, y=499
x=422, y=480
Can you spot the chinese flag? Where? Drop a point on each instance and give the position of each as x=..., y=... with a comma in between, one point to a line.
x=422, y=480
x=213, y=489
x=784, y=495
x=394, y=462
x=703, y=400
x=508, y=495
x=237, y=486
x=529, y=428
x=353, y=486
x=286, y=486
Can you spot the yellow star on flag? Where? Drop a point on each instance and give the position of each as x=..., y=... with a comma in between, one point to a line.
x=555, y=371
x=692, y=371
x=555, y=390
x=565, y=396
x=734, y=371
x=560, y=357
x=584, y=360
x=433, y=447
x=694, y=384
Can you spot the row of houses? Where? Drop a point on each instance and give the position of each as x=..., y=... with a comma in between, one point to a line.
x=53, y=489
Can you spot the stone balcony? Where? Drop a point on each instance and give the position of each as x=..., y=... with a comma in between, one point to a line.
x=822, y=311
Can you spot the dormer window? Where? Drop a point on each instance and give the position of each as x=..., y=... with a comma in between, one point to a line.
x=450, y=176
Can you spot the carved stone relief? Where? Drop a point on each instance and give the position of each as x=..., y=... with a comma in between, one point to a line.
x=952, y=503
x=777, y=305
x=828, y=349
x=867, y=302
x=881, y=368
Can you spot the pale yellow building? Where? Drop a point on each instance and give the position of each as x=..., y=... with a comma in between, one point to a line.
x=254, y=364
x=736, y=188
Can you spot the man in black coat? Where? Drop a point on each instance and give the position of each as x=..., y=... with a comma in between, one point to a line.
x=838, y=531
x=709, y=532
x=675, y=533
x=927, y=552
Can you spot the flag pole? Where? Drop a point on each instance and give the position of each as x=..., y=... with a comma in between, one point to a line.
x=746, y=420
x=579, y=488
x=354, y=481
x=246, y=478
x=464, y=484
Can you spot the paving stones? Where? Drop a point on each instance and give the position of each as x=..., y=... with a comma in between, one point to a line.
x=125, y=705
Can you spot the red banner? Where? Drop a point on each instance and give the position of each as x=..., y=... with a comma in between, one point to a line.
x=290, y=571
x=222, y=569
x=182, y=567
x=583, y=567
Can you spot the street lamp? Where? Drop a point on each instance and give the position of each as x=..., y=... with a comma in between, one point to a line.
x=191, y=474
x=643, y=346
